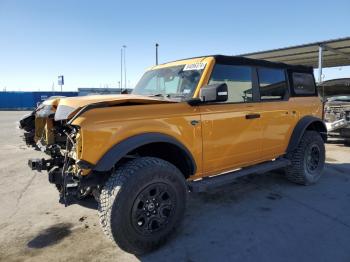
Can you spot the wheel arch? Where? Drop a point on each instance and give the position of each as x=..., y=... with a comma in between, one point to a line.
x=306, y=123
x=150, y=144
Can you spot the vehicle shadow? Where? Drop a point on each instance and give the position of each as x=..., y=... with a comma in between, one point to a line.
x=343, y=168
x=50, y=236
x=257, y=218
x=88, y=202
x=224, y=224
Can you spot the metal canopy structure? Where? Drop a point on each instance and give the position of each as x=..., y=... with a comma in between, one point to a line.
x=330, y=53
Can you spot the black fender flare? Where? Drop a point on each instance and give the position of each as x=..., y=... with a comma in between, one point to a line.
x=118, y=151
x=307, y=122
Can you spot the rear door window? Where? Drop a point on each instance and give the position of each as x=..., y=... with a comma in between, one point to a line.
x=272, y=84
x=303, y=84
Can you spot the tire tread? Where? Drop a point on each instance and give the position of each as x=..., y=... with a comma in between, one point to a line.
x=114, y=187
x=295, y=172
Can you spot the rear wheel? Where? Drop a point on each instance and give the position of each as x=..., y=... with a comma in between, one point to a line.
x=307, y=159
x=142, y=203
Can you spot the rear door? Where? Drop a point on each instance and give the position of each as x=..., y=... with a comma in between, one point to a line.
x=277, y=115
x=231, y=130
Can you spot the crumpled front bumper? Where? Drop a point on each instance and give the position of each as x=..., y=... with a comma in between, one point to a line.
x=332, y=126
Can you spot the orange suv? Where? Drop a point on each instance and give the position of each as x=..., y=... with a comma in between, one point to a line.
x=188, y=125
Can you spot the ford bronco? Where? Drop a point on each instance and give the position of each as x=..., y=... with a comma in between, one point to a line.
x=188, y=126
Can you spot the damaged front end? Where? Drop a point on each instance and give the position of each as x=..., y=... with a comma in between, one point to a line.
x=336, y=94
x=41, y=131
x=27, y=123
x=60, y=137
x=337, y=116
x=66, y=172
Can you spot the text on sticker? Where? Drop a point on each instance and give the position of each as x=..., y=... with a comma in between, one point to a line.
x=194, y=66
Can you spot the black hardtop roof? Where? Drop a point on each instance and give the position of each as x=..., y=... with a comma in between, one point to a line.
x=225, y=59
x=258, y=62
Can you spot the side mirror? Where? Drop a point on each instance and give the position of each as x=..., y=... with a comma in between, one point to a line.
x=214, y=93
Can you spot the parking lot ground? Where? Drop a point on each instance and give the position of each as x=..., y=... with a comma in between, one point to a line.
x=257, y=218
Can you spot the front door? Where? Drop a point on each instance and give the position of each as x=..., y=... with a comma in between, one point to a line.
x=231, y=130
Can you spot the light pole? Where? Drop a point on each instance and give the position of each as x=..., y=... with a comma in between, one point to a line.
x=121, y=70
x=157, y=53
x=124, y=48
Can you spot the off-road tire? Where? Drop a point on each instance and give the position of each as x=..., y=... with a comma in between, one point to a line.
x=299, y=172
x=126, y=186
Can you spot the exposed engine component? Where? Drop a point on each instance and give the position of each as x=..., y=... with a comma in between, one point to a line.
x=337, y=116
x=63, y=171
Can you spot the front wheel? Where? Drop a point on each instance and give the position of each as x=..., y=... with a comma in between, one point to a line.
x=307, y=159
x=142, y=203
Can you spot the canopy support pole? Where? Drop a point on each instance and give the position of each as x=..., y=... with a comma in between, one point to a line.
x=320, y=60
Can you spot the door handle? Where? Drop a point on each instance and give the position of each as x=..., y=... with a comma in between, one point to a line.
x=252, y=116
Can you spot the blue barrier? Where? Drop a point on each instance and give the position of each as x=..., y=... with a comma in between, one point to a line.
x=27, y=100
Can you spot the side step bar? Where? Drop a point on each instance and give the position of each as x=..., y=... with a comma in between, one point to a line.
x=216, y=181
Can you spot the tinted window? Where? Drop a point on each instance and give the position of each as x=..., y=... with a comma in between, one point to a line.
x=238, y=80
x=303, y=84
x=272, y=83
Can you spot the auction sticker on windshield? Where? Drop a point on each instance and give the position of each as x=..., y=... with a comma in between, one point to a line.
x=194, y=66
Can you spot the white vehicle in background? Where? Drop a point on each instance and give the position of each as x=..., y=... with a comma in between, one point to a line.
x=336, y=94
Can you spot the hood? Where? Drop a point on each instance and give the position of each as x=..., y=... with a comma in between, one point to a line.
x=335, y=87
x=48, y=107
x=74, y=106
x=53, y=100
x=337, y=101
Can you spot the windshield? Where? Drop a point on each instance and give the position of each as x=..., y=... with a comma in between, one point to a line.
x=177, y=82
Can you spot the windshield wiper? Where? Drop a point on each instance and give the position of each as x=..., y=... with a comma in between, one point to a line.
x=158, y=95
x=177, y=95
x=169, y=95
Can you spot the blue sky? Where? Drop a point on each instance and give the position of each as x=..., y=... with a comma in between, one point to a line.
x=82, y=39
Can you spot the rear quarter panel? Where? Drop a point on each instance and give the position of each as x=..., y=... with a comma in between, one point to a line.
x=304, y=106
x=279, y=120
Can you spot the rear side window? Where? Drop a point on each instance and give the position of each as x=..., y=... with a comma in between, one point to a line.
x=272, y=84
x=303, y=84
x=238, y=80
